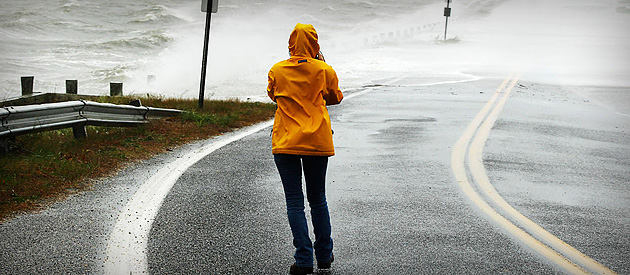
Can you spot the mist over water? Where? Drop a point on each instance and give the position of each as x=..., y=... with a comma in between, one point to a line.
x=574, y=42
x=567, y=42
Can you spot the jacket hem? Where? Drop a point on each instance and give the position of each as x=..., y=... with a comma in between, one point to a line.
x=303, y=153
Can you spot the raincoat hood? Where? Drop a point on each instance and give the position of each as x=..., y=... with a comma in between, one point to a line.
x=303, y=41
x=302, y=87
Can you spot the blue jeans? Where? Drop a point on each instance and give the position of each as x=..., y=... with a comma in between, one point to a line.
x=290, y=168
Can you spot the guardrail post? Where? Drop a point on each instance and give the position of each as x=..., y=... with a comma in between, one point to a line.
x=72, y=87
x=4, y=145
x=79, y=132
x=115, y=89
x=27, y=85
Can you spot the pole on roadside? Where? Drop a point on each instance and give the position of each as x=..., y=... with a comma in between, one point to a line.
x=213, y=9
x=72, y=87
x=115, y=89
x=447, y=14
x=27, y=85
x=204, y=61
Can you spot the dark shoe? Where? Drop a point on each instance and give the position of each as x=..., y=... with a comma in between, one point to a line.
x=299, y=270
x=326, y=264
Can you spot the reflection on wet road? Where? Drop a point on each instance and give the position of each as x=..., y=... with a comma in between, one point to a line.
x=534, y=236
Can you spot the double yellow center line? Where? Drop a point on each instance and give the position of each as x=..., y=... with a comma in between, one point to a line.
x=529, y=233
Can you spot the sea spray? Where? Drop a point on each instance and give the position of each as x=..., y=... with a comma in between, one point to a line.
x=565, y=42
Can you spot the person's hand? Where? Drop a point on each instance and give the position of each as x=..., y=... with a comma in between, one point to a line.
x=320, y=56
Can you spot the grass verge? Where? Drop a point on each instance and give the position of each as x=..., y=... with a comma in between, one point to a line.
x=47, y=166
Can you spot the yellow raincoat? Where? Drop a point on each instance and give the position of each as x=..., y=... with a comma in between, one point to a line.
x=302, y=86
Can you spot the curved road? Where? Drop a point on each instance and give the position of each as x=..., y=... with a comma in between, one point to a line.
x=396, y=205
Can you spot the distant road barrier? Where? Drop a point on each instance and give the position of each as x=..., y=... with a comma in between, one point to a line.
x=19, y=120
x=405, y=34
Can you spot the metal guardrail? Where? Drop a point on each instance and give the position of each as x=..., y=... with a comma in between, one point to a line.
x=20, y=120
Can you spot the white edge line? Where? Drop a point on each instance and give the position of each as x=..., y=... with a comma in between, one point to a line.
x=127, y=244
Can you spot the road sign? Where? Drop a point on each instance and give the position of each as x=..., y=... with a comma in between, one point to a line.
x=213, y=3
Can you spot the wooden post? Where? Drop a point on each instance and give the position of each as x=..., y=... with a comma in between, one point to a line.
x=115, y=89
x=78, y=131
x=4, y=145
x=27, y=85
x=72, y=87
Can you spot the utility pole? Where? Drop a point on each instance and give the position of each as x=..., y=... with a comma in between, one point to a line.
x=447, y=13
x=213, y=9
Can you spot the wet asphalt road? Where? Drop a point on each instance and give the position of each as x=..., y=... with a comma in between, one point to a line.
x=394, y=202
x=395, y=207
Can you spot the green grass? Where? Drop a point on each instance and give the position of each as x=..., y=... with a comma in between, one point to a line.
x=47, y=166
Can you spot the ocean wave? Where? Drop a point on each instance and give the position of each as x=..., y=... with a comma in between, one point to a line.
x=25, y=21
x=142, y=41
x=328, y=9
x=310, y=19
x=69, y=24
x=233, y=7
x=482, y=7
x=71, y=5
x=116, y=73
x=623, y=9
x=154, y=14
x=362, y=4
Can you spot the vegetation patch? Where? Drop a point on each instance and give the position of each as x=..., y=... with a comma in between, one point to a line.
x=44, y=167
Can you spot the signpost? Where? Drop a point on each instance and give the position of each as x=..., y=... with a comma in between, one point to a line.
x=447, y=13
x=214, y=6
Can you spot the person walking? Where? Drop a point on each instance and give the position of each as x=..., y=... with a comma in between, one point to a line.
x=302, y=86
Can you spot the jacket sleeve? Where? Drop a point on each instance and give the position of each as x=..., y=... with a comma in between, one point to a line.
x=333, y=93
x=271, y=85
